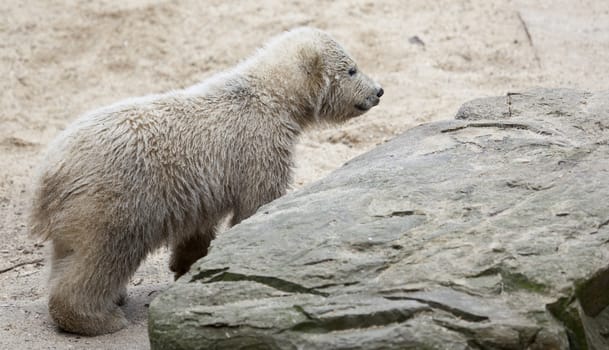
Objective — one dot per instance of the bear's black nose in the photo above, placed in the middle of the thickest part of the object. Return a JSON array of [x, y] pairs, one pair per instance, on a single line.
[[380, 93]]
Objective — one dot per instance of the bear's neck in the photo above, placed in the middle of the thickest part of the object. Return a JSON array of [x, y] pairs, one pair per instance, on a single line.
[[283, 89]]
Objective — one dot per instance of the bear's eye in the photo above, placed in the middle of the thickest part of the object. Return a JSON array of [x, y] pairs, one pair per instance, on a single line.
[[352, 71]]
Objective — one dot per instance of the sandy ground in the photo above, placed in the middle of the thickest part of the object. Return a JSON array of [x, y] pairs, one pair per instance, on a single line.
[[60, 58]]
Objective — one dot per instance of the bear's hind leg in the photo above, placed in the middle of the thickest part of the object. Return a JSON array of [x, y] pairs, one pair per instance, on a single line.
[[60, 258], [185, 253], [85, 293]]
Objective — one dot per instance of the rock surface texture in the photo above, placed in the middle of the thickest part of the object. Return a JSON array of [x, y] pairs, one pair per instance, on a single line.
[[490, 231]]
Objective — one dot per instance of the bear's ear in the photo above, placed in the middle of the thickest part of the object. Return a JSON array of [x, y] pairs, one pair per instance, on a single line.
[[311, 63]]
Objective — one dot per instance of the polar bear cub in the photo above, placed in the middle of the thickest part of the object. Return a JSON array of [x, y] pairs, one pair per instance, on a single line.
[[124, 180]]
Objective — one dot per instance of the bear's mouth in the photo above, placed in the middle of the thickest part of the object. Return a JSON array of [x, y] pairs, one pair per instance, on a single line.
[[367, 104], [362, 107]]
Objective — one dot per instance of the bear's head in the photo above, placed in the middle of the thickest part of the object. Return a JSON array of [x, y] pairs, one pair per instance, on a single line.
[[343, 90], [314, 73]]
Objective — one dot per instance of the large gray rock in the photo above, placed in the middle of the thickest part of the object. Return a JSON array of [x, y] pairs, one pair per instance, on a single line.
[[486, 232]]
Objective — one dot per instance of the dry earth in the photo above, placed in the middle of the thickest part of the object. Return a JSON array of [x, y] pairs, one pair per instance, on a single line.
[[60, 58]]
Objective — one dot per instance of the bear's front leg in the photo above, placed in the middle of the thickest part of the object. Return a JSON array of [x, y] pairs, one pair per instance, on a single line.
[[186, 252]]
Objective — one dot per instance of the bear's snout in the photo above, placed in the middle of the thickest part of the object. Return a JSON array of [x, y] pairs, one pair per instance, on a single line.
[[376, 97]]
